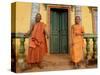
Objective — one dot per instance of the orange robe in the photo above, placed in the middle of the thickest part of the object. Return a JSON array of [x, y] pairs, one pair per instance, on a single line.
[[37, 44], [77, 43]]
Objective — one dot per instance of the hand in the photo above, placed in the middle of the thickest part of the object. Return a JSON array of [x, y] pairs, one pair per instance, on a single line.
[[25, 34]]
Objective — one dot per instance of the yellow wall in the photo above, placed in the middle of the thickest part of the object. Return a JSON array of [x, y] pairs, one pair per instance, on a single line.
[[43, 12], [23, 19], [23, 16], [86, 19]]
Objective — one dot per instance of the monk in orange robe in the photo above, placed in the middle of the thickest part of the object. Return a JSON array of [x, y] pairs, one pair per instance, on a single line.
[[37, 43], [77, 42]]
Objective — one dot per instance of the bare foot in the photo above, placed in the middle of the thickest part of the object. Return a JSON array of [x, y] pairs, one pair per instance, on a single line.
[[29, 66], [75, 66], [40, 66]]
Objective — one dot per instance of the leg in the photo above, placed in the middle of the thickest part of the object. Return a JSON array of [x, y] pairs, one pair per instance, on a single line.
[[75, 66]]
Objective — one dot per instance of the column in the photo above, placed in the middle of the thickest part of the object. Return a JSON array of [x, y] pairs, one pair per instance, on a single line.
[[78, 11], [35, 10]]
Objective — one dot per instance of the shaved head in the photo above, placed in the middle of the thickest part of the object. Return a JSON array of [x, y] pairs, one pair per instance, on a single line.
[[38, 17], [77, 19]]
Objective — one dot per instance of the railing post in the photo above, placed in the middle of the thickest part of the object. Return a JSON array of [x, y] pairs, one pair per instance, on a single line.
[[94, 48], [21, 52], [87, 50], [94, 57]]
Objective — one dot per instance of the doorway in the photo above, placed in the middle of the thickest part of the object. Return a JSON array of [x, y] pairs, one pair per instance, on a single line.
[[58, 30]]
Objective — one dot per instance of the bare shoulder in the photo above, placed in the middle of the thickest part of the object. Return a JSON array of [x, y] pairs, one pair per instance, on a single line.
[[44, 25], [32, 26]]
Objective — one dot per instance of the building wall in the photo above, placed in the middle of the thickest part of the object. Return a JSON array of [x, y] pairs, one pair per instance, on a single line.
[[86, 19], [23, 19], [44, 14], [23, 16]]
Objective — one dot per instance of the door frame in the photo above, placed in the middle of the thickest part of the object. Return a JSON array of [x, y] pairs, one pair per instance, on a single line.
[[67, 7]]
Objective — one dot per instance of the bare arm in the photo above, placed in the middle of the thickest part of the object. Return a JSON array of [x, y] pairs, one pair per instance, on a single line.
[[46, 32], [82, 30], [72, 33], [29, 32]]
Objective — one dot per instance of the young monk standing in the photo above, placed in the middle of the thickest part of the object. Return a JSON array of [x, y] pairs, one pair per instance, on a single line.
[[77, 42], [37, 43]]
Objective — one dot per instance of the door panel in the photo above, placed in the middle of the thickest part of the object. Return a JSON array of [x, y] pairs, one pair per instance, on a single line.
[[58, 31], [63, 33], [54, 33]]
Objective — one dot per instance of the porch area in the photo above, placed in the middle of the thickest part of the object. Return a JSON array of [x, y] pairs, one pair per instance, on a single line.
[[56, 62]]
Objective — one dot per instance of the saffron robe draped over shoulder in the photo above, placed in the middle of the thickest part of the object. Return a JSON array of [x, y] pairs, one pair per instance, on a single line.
[[37, 44], [77, 43]]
